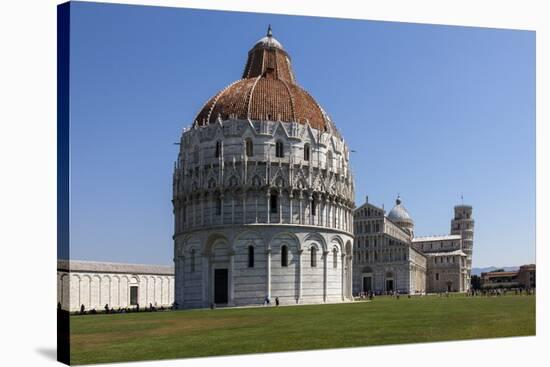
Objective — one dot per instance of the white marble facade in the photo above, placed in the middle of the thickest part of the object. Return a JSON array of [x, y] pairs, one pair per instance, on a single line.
[[96, 284], [388, 258], [224, 205], [314, 269]]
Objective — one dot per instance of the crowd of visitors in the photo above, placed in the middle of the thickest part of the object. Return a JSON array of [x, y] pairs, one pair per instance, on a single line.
[[112, 310], [490, 292]]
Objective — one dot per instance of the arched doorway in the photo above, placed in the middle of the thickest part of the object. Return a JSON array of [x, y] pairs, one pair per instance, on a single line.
[[220, 271], [390, 286], [367, 280]]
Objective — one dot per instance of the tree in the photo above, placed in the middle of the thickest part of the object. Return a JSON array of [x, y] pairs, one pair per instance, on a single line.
[[475, 282]]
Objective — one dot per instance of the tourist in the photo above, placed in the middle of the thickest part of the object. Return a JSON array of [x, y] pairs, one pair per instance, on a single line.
[[82, 309], [277, 301], [106, 308], [267, 301]]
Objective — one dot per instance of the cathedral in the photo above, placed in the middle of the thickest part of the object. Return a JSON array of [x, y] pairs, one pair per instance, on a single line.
[[389, 258], [263, 194]]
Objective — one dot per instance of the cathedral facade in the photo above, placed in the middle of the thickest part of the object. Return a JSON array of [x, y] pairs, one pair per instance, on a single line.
[[388, 257], [263, 194]]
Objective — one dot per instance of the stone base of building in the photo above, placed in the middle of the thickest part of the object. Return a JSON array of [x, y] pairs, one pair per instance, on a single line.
[[242, 265]]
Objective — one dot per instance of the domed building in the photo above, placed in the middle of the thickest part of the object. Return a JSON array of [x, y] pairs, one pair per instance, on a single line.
[[389, 258], [263, 194], [400, 216]]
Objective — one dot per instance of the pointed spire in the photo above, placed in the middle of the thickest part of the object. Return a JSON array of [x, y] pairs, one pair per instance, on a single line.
[[269, 31]]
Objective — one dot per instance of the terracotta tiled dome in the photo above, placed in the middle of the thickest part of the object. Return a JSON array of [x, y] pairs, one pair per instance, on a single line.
[[267, 91]]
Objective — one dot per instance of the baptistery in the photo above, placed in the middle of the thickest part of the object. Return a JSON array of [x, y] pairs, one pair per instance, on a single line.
[[263, 194]]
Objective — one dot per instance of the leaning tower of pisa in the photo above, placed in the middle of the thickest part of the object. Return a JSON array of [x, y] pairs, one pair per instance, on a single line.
[[463, 224]]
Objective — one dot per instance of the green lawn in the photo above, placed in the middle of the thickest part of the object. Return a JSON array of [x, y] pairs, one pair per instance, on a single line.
[[195, 333]]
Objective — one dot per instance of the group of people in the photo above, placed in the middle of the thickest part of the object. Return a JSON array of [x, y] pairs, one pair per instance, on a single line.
[[370, 294], [107, 309], [267, 301], [500, 292], [367, 295]]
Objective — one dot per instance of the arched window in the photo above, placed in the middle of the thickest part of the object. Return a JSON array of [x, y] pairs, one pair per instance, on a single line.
[[284, 255], [192, 260], [273, 205], [249, 147], [313, 256], [279, 149], [306, 152], [329, 159], [218, 148], [218, 205], [250, 256], [334, 258]]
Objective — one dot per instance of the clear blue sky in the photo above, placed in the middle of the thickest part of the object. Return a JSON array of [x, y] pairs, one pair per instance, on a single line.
[[432, 112]]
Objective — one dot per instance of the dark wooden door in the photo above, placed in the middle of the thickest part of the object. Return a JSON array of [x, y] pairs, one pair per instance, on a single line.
[[367, 284], [220, 286], [133, 295]]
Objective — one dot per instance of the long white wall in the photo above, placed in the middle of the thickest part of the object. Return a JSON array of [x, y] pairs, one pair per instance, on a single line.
[[96, 289]]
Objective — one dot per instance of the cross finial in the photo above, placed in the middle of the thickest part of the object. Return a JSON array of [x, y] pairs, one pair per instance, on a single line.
[[462, 198], [269, 31]]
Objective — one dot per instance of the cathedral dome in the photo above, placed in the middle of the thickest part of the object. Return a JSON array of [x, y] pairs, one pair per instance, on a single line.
[[399, 214], [267, 91]]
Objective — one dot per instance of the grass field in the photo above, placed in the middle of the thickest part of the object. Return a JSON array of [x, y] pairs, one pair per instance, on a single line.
[[386, 320]]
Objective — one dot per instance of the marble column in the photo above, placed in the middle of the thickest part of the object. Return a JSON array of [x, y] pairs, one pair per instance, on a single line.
[[202, 199], [268, 273], [301, 207], [233, 207], [230, 275], [310, 201], [326, 207], [222, 208], [291, 199], [204, 280], [280, 197], [349, 276], [343, 280], [268, 204], [245, 197], [193, 211], [300, 275], [325, 275], [256, 194]]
